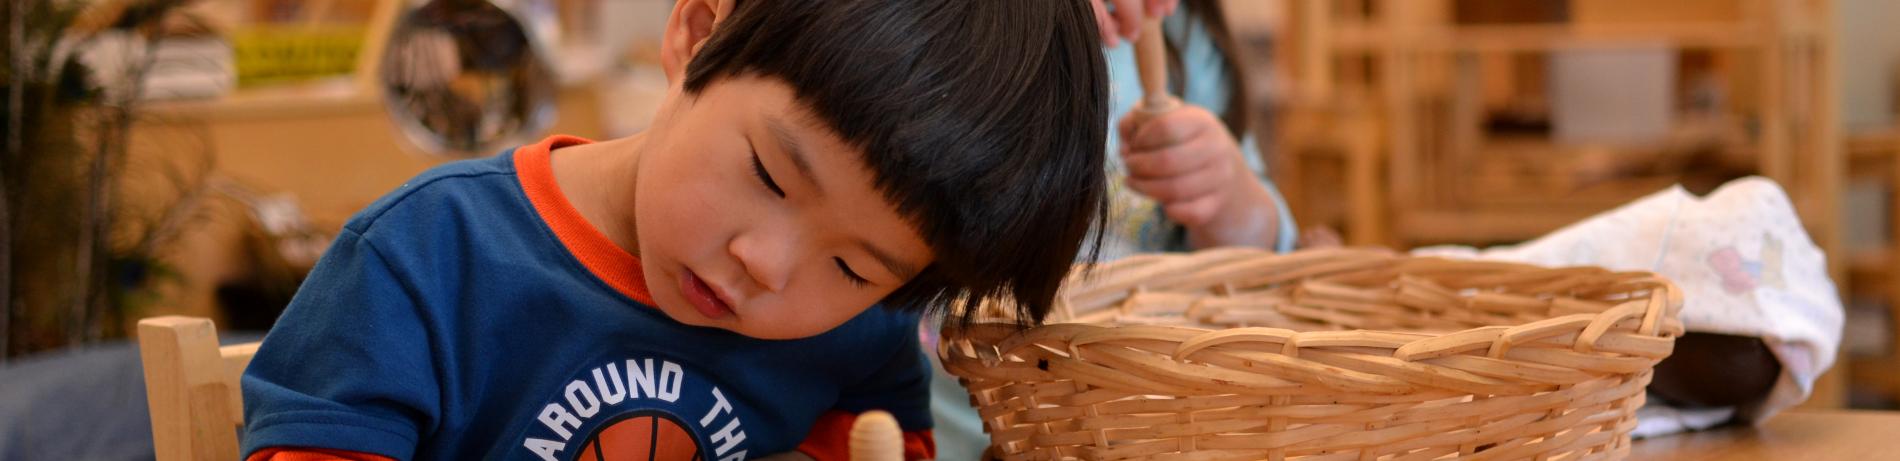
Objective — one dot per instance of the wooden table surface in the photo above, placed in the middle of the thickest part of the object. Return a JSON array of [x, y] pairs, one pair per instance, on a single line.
[[1793, 436]]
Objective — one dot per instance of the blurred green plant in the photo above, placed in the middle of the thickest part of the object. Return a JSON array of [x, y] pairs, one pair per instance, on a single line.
[[74, 265]]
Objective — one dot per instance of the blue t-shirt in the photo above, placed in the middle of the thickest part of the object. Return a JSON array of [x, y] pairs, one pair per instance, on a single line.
[[472, 314]]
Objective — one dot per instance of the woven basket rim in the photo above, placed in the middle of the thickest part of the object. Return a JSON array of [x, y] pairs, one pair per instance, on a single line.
[[1566, 382], [1655, 316]]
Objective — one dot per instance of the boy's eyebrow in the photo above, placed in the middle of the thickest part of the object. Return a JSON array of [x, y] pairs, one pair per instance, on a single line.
[[898, 268], [785, 139]]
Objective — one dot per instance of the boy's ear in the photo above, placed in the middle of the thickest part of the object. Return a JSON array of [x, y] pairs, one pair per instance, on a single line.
[[687, 28]]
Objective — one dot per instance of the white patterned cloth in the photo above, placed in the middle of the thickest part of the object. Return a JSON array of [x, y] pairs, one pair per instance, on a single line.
[[1745, 267]]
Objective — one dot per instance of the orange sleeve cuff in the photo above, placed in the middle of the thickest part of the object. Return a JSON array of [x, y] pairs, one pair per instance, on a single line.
[[830, 439], [312, 454]]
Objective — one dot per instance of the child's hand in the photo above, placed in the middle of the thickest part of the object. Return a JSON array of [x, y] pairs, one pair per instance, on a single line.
[[1125, 21], [1186, 160]]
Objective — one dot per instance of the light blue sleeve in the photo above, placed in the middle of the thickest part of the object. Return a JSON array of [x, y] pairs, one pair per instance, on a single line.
[[1289, 233]]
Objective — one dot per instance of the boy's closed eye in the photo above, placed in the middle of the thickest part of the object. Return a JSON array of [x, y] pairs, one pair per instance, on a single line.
[[758, 168], [765, 178], [850, 275]]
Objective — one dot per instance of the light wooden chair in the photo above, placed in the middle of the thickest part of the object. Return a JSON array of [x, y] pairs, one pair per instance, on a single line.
[[191, 386]]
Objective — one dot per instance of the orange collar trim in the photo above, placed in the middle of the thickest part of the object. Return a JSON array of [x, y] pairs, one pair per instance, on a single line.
[[621, 270]]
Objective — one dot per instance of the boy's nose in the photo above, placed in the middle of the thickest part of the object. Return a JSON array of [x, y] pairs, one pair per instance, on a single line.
[[766, 256]]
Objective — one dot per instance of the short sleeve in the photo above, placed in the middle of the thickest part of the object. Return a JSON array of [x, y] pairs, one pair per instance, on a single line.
[[348, 365]]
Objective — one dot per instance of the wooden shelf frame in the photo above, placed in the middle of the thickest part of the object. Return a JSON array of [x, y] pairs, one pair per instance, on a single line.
[[1368, 91], [1378, 56]]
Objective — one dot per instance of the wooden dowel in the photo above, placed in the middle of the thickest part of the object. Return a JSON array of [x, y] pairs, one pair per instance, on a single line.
[[1151, 60]]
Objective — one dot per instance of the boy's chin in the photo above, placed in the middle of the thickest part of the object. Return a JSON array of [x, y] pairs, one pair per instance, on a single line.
[[684, 313]]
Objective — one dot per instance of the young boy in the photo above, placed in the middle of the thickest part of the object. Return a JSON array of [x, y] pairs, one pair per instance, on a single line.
[[704, 290]]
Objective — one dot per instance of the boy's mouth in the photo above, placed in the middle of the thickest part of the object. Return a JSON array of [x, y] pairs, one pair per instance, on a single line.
[[702, 296]]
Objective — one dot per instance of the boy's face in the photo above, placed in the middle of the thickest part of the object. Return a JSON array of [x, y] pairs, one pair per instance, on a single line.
[[754, 217]]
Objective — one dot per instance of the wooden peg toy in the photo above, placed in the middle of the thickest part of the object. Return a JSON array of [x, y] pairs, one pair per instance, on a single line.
[[876, 437]]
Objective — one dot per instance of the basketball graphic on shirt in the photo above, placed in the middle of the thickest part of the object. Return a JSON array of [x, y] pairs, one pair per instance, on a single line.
[[641, 436]]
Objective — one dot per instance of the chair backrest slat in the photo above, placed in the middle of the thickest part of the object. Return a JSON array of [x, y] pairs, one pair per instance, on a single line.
[[191, 386], [235, 358]]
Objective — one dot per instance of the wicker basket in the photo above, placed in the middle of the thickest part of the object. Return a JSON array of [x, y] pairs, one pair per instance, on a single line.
[[1236, 354]]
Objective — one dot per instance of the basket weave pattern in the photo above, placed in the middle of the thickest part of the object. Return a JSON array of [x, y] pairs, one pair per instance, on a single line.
[[1237, 354]]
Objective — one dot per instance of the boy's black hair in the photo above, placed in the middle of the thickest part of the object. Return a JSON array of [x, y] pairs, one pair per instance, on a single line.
[[984, 121]]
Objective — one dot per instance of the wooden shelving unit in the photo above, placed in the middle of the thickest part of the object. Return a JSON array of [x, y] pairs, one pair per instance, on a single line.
[[1420, 84], [1389, 133], [1874, 272], [331, 145]]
